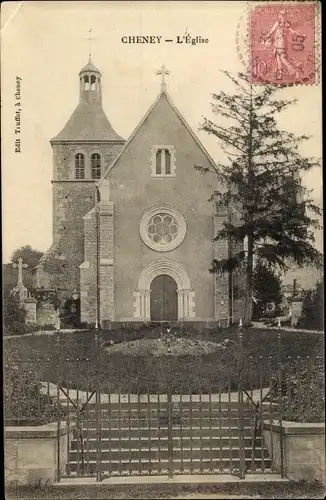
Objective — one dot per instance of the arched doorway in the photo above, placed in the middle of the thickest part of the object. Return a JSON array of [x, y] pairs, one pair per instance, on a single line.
[[164, 299], [185, 296]]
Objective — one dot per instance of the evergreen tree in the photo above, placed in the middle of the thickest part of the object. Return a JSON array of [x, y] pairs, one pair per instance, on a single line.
[[260, 183], [312, 316], [267, 288]]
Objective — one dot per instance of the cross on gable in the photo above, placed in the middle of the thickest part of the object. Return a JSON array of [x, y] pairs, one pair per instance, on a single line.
[[163, 71], [20, 267]]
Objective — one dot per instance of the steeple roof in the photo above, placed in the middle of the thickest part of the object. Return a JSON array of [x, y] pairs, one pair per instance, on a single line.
[[89, 68], [87, 123]]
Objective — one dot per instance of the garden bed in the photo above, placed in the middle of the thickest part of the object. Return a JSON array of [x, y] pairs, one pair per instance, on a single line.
[[256, 341], [74, 361]]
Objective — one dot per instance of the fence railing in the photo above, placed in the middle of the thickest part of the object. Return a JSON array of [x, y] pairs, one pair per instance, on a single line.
[[216, 428]]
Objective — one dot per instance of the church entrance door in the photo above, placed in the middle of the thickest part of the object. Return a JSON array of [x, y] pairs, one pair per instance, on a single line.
[[164, 299]]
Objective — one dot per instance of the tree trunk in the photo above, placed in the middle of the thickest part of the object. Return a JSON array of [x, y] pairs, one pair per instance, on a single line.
[[249, 284], [249, 267]]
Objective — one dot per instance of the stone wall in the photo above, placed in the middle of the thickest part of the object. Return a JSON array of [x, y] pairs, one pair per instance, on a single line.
[[72, 200], [303, 449], [31, 453]]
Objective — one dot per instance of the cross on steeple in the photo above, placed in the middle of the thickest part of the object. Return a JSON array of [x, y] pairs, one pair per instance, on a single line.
[[90, 38], [163, 71], [20, 267]]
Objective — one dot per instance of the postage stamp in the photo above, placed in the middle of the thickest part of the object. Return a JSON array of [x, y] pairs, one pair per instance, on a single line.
[[282, 39]]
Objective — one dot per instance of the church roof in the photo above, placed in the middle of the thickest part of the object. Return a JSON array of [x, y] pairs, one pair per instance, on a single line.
[[88, 123], [163, 95]]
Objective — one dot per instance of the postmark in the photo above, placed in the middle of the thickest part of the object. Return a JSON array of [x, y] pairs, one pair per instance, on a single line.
[[282, 43]]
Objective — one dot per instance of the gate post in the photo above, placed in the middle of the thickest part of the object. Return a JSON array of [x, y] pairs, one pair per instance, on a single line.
[[280, 399], [170, 426], [98, 408], [242, 465], [58, 418]]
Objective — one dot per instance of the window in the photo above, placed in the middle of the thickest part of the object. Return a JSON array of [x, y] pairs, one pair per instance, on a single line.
[[162, 228], [163, 161], [158, 161], [167, 162], [79, 166], [96, 166], [93, 82], [86, 82]]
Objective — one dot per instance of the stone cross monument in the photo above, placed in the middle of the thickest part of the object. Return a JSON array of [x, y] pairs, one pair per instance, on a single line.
[[28, 302], [20, 288]]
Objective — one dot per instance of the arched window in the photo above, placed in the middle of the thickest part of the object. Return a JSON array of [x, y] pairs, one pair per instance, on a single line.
[[163, 161], [79, 166], [93, 82], [96, 166], [86, 82]]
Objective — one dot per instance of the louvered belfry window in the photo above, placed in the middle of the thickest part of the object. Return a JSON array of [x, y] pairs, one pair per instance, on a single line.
[[79, 166], [96, 166]]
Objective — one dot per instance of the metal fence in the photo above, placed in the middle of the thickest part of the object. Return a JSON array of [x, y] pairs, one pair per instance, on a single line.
[[213, 431]]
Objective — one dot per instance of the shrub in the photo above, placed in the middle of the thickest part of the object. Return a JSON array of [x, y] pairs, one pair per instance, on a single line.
[[14, 314], [23, 399], [304, 396], [312, 316]]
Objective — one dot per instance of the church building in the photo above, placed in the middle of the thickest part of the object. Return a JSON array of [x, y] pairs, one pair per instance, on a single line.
[[133, 230]]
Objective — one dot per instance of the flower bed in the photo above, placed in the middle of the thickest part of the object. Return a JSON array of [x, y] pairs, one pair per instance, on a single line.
[[72, 359]]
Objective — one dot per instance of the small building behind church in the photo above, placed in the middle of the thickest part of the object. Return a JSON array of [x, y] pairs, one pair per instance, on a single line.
[[133, 230]]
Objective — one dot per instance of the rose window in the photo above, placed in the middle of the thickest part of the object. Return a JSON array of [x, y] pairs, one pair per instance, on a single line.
[[162, 228]]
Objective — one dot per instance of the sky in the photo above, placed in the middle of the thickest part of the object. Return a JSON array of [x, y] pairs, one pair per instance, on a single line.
[[46, 44]]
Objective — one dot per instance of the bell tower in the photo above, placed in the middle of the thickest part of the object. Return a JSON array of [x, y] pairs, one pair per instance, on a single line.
[[82, 152], [90, 84]]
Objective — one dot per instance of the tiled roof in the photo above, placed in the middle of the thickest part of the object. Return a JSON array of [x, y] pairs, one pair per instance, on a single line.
[[88, 123]]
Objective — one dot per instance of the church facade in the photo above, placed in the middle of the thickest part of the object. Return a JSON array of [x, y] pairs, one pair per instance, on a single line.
[[133, 230]]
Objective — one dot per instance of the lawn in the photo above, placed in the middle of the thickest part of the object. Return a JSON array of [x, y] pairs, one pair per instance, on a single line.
[[74, 360]]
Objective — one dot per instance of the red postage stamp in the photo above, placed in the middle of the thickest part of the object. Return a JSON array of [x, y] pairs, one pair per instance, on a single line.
[[283, 43]]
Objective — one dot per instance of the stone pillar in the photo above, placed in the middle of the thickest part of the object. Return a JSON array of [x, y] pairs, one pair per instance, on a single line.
[[30, 307], [296, 308], [88, 268], [142, 305], [46, 314], [147, 304], [106, 257], [186, 304], [180, 305]]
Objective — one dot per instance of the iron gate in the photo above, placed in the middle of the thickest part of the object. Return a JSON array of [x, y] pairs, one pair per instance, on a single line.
[[105, 434]]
